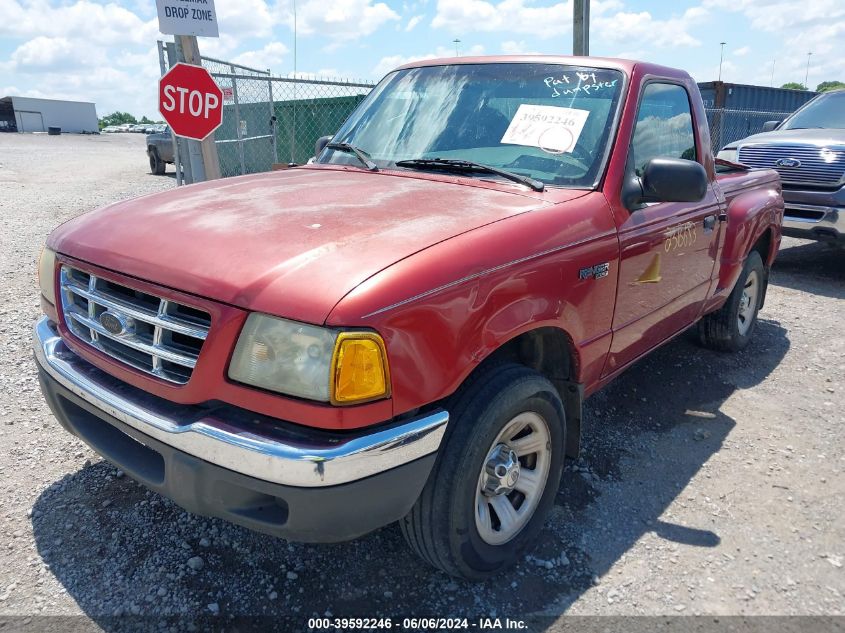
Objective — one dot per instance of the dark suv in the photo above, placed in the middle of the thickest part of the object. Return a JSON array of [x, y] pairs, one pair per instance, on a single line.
[[808, 150]]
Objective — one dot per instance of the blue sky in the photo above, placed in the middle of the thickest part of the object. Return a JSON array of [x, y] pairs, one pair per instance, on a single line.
[[105, 51]]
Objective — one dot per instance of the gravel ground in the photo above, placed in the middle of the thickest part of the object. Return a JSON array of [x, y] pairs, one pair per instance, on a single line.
[[710, 484]]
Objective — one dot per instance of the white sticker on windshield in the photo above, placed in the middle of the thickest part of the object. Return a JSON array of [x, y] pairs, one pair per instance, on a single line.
[[554, 130]]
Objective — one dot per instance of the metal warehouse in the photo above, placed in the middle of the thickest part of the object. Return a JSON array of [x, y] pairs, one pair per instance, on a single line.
[[27, 114]]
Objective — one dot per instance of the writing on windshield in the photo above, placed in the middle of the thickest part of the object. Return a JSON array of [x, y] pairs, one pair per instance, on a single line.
[[549, 122]]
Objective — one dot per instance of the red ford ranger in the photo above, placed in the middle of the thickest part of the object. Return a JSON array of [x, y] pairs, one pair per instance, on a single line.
[[405, 330]]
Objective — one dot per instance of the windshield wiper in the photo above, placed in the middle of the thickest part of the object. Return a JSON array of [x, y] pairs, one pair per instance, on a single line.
[[450, 164], [356, 151]]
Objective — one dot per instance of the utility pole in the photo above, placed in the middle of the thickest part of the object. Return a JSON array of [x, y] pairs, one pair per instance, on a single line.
[[581, 27], [721, 57], [807, 74], [456, 41], [205, 164]]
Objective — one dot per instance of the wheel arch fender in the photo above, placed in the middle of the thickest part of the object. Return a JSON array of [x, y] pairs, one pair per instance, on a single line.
[[751, 216], [550, 350]]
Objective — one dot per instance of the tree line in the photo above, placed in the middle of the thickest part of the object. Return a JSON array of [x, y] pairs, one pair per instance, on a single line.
[[822, 87], [119, 118]]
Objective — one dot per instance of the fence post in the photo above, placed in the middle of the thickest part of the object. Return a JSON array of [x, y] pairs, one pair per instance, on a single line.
[[238, 121], [272, 117]]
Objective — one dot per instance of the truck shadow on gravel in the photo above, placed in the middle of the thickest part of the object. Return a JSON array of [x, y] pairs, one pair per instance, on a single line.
[[119, 550], [811, 267]]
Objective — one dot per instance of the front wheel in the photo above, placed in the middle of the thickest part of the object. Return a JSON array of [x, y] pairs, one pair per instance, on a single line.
[[729, 329], [496, 477]]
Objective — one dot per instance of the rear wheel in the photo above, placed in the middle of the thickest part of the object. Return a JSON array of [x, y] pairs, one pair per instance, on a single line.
[[496, 476], [730, 328], [157, 166]]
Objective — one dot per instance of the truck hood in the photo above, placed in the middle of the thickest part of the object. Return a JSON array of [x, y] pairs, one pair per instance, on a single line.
[[290, 243], [807, 136]]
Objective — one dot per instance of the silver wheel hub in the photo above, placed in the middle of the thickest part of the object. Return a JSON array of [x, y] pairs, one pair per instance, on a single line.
[[513, 478], [748, 303], [501, 471]]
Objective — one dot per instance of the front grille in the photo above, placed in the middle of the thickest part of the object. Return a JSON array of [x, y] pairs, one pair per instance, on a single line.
[[150, 333], [820, 166]]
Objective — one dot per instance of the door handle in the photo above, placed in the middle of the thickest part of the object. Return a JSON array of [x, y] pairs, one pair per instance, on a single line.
[[709, 222]]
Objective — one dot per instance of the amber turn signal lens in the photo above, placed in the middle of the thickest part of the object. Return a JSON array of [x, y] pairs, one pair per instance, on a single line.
[[359, 371]]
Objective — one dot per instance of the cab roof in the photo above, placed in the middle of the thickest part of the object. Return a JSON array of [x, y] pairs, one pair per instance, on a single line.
[[627, 66]]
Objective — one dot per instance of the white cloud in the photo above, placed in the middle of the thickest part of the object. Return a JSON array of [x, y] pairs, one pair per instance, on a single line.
[[508, 15], [91, 23], [777, 15], [245, 18], [817, 26], [516, 16], [45, 53], [338, 21], [413, 22], [624, 26], [269, 56], [742, 51], [511, 47], [386, 64]]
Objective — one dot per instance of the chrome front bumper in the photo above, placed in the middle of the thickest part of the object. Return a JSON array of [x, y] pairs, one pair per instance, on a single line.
[[816, 215], [814, 221], [261, 451]]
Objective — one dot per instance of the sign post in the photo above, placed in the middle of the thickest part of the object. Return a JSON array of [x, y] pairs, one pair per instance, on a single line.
[[193, 101]]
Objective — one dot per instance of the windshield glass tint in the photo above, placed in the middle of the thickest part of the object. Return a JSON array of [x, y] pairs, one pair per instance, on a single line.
[[827, 112], [547, 121]]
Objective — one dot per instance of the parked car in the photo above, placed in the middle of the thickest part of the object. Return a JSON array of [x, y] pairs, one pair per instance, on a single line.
[[405, 330], [160, 150], [110, 129], [808, 151]]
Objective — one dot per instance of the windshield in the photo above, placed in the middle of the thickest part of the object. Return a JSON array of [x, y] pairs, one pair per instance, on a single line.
[[549, 122], [826, 112]]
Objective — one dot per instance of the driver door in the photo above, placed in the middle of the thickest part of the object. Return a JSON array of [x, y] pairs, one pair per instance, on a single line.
[[667, 248]]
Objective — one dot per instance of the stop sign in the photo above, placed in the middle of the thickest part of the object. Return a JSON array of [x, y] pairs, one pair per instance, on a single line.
[[190, 101]]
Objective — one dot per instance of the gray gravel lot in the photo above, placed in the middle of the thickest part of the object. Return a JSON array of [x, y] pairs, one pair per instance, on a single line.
[[709, 483]]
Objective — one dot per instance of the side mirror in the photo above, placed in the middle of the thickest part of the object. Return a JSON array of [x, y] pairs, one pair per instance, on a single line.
[[321, 143], [768, 126], [666, 180]]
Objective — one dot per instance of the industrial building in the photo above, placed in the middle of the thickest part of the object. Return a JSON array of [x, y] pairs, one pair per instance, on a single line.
[[28, 114]]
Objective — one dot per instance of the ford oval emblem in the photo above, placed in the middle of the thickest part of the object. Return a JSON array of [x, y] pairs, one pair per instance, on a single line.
[[787, 162], [117, 324]]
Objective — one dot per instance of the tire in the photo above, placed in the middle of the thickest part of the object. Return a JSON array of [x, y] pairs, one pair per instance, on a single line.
[[730, 328], [157, 166], [452, 525]]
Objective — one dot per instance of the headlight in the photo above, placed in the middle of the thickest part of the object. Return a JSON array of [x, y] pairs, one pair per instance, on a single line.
[[310, 362], [46, 274], [727, 154]]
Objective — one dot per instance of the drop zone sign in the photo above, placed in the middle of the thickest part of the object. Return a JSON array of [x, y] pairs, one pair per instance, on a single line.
[[190, 101], [187, 17]]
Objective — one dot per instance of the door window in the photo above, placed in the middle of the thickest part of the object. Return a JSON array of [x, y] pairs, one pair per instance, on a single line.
[[664, 126]]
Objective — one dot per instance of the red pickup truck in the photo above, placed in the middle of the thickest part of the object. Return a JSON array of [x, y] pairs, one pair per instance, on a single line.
[[405, 330]]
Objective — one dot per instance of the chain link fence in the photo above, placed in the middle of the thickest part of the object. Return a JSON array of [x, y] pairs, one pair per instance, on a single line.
[[727, 126], [269, 119]]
